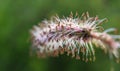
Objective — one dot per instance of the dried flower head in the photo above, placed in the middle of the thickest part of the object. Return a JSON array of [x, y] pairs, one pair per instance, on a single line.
[[77, 36]]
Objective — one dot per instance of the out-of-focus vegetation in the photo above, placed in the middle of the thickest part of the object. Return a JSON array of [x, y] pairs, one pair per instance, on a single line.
[[18, 16]]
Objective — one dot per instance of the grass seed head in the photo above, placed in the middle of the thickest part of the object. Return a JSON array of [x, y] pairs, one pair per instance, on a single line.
[[76, 36]]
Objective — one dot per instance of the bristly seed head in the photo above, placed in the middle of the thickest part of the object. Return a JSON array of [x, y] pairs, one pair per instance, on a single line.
[[75, 36]]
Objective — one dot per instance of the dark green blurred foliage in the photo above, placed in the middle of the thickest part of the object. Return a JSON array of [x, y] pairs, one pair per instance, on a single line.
[[18, 16]]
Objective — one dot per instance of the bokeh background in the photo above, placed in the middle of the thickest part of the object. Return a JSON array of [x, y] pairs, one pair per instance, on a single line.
[[18, 16]]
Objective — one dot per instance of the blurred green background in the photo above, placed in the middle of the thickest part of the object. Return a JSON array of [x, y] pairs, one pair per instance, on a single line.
[[18, 16]]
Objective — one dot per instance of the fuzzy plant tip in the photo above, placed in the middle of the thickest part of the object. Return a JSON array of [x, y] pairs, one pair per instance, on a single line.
[[76, 35]]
